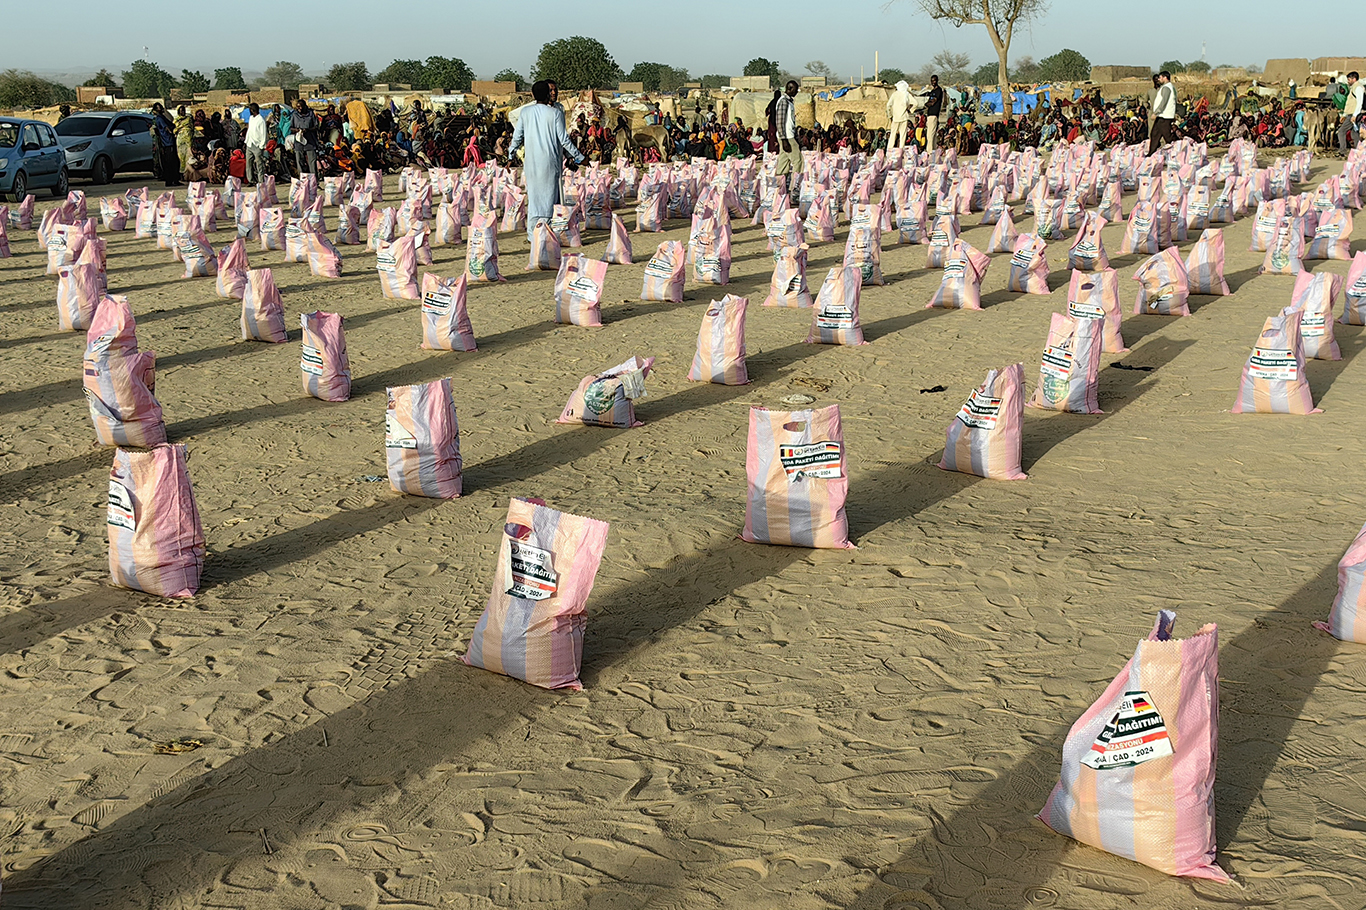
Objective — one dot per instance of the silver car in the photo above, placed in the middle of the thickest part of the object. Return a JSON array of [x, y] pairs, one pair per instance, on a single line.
[[100, 144]]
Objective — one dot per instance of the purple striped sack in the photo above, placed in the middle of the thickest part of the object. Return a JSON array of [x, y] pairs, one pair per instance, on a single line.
[[788, 286], [1347, 619], [324, 259], [911, 219], [797, 479], [445, 318], [422, 440], [1138, 766], [1332, 238], [1070, 369], [651, 210], [1285, 255], [1005, 234], [1264, 224], [232, 269], [80, 288], [274, 224], [323, 362], [533, 626], [1354, 306], [608, 399], [961, 286], [835, 316], [263, 312], [713, 256], [396, 265], [578, 291], [720, 356], [1314, 295], [863, 251], [114, 213], [156, 541], [119, 380], [481, 249], [296, 240], [943, 233], [193, 245], [544, 254], [1163, 287], [1142, 233], [664, 273], [1273, 379], [985, 438], [1095, 295], [618, 243], [1205, 265], [1028, 266]]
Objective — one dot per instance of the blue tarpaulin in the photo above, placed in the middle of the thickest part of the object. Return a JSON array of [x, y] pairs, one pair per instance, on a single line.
[[1023, 102]]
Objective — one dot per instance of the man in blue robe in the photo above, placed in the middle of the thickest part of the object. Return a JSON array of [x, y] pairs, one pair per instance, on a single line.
[[540, 130]]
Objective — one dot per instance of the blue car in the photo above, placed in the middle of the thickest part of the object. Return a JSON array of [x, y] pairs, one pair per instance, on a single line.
[[31, 158]]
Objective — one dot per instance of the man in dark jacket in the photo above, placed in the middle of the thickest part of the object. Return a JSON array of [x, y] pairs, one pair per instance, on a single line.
[[304, 127]]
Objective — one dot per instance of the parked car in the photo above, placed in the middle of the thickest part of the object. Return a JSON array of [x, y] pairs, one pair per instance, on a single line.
[[30, 158], [100, 144]]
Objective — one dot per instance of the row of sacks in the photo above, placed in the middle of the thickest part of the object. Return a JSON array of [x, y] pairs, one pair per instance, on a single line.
[[1326, 232]]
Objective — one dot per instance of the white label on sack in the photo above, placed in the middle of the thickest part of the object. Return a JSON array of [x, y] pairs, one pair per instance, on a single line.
[[710, 265], [908, 225], [981, 411], [1082, 310], [101, 344], [529, 571], [1134, 735], [121, 507], [834, 317], [56, 242], [386, 262], [660, 268], [584, 288], [1313, 325], [1358, 288], [939, 238], [311, 360], [1276, 364], [396, 435], [1086, 249], [955, 269], [632, 384], [1328, 229], [438, 302], [1019, 260], [817, 459], [1057, 360]]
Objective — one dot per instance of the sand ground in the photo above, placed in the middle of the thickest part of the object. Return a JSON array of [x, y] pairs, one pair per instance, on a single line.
[[761, 727]]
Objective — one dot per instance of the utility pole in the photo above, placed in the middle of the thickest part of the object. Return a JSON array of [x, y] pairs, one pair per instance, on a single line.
[[877, 69]]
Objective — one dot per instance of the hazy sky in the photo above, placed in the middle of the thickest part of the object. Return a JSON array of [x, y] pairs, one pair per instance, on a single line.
[[704, 36]]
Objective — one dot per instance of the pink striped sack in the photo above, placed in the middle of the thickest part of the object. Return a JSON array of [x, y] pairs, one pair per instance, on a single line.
[[422, 440], [863, 251], [1028, 267], [263, 312], [597, 208], [1142, 235], [1138, 767], [449, 230], [247, 215], [332, 191], [64, 243], [819, 225], [145, 224], [80, 288], [942, 235], [514, 210], [22, 217], [1314, 296], [1347, 619], [119, 380], [325, 367], [422, 246], [788, 286], [445, 317], [995, 207], [296, 234], [578, 291], [910, 220], [364, 201], [720, 356], [1175, 207], [193, 245], [167, 225], [114, 213], [1354, 306], [481, 249], [348, 225], [232, 269], [1070, 369], [651, 210], [380, 227], [783, 229], [533, 626], [608, 399], [544, 255], [961, 286], [4, 232], [1222, 210], [1269, 214], [713, 252], [1095, 295], [984, 439], [618, 243], [1198, 208], [1004, 236], [664, 273], [396, 265], [1273, 380], [1111, 206], [1332, 236], [1048, 220], [274, 224], [94, 252], [374, 184], [797, 479], [1205, 265], [156, 541], [324, 259], [1285, 256], [1162, 285], [1088, 251], [835, 316]]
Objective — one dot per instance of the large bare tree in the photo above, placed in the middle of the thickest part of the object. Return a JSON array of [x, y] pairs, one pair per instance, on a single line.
[[999, 16]]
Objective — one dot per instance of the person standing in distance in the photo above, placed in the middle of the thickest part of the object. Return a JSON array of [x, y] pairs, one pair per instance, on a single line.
[[1355, 107], [934, 104], [899, 114], [1164, 113], [785, 125], [540, 128], [257, 135]]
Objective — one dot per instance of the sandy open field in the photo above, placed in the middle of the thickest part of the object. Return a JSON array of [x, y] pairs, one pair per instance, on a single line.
[[761, 727]]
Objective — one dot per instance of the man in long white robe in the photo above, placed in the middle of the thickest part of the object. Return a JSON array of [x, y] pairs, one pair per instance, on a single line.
[[540, 130]]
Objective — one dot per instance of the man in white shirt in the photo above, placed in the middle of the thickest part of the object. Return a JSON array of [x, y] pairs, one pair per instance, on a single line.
[[256, 145], [898, 112], [1356, 104], [1164, 113]]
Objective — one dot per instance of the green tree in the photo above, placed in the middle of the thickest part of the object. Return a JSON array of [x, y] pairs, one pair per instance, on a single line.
[[576, 63], [193, 81], [671, 78], [1197, 66], [229, 79], [820, 68], [510, 75], [284, 74], [144, 79], [986, 74], [1172, 66], [450, 73], [348, 77], [647, 74], [404, 72], [891, 75], [104, 78], [762, 66], [714, 80], [1066, 65], [22, 90]]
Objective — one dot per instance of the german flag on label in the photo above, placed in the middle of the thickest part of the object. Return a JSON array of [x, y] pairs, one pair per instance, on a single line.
[[817, 459], [1136, 734]]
